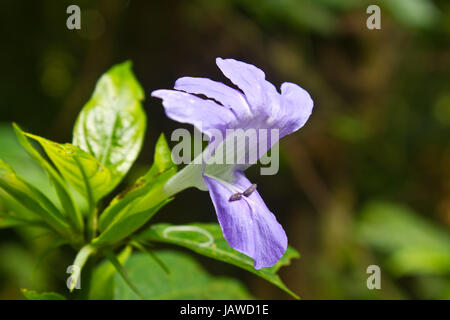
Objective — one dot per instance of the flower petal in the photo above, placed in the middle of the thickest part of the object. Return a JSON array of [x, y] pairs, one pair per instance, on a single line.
[[252, 82], [247, 224], [297, 105], [218, 91], [187, 108]]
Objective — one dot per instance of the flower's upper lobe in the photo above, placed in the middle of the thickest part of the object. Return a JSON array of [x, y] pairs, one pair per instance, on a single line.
[[247, 224], [259, 105]]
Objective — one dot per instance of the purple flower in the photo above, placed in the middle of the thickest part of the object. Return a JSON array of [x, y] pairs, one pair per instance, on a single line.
[[247, 224]]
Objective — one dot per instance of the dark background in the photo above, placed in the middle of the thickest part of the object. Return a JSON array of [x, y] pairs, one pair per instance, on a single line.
[[366, 181]]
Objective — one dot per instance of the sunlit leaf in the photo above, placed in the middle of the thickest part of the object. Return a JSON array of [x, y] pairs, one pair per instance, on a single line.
[[61, 189], [112, 124], [33, 295], [207, 239], [162, 159], [186, 280], [87, 175]]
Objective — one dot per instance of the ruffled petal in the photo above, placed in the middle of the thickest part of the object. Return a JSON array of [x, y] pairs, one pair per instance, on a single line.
[[218, 91], [187, 108], [247, 224]]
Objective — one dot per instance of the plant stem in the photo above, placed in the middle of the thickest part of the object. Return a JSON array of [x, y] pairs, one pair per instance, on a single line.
[[92, 223], [189, 176], [78, 264]]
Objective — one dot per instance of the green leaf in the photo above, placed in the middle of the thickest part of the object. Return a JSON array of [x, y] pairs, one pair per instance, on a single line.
[[31, 198], [33, 295], [413, 245], [207, 239], [13, 153], [102, 284], [111, 126], [17, 264], [186, 280], [163, 156], [65, 198], [131, 209], [54, 244], [150, 253], [126, 224], [162, 163], [87, 175], [9, 221], [123, 273]]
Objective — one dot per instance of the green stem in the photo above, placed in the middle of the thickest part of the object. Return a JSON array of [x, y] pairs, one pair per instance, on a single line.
[[92, 223], [189, 176], [92, 210], [78, 264]]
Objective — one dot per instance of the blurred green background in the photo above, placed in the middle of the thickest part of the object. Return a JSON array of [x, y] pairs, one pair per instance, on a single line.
[[366, 181]]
